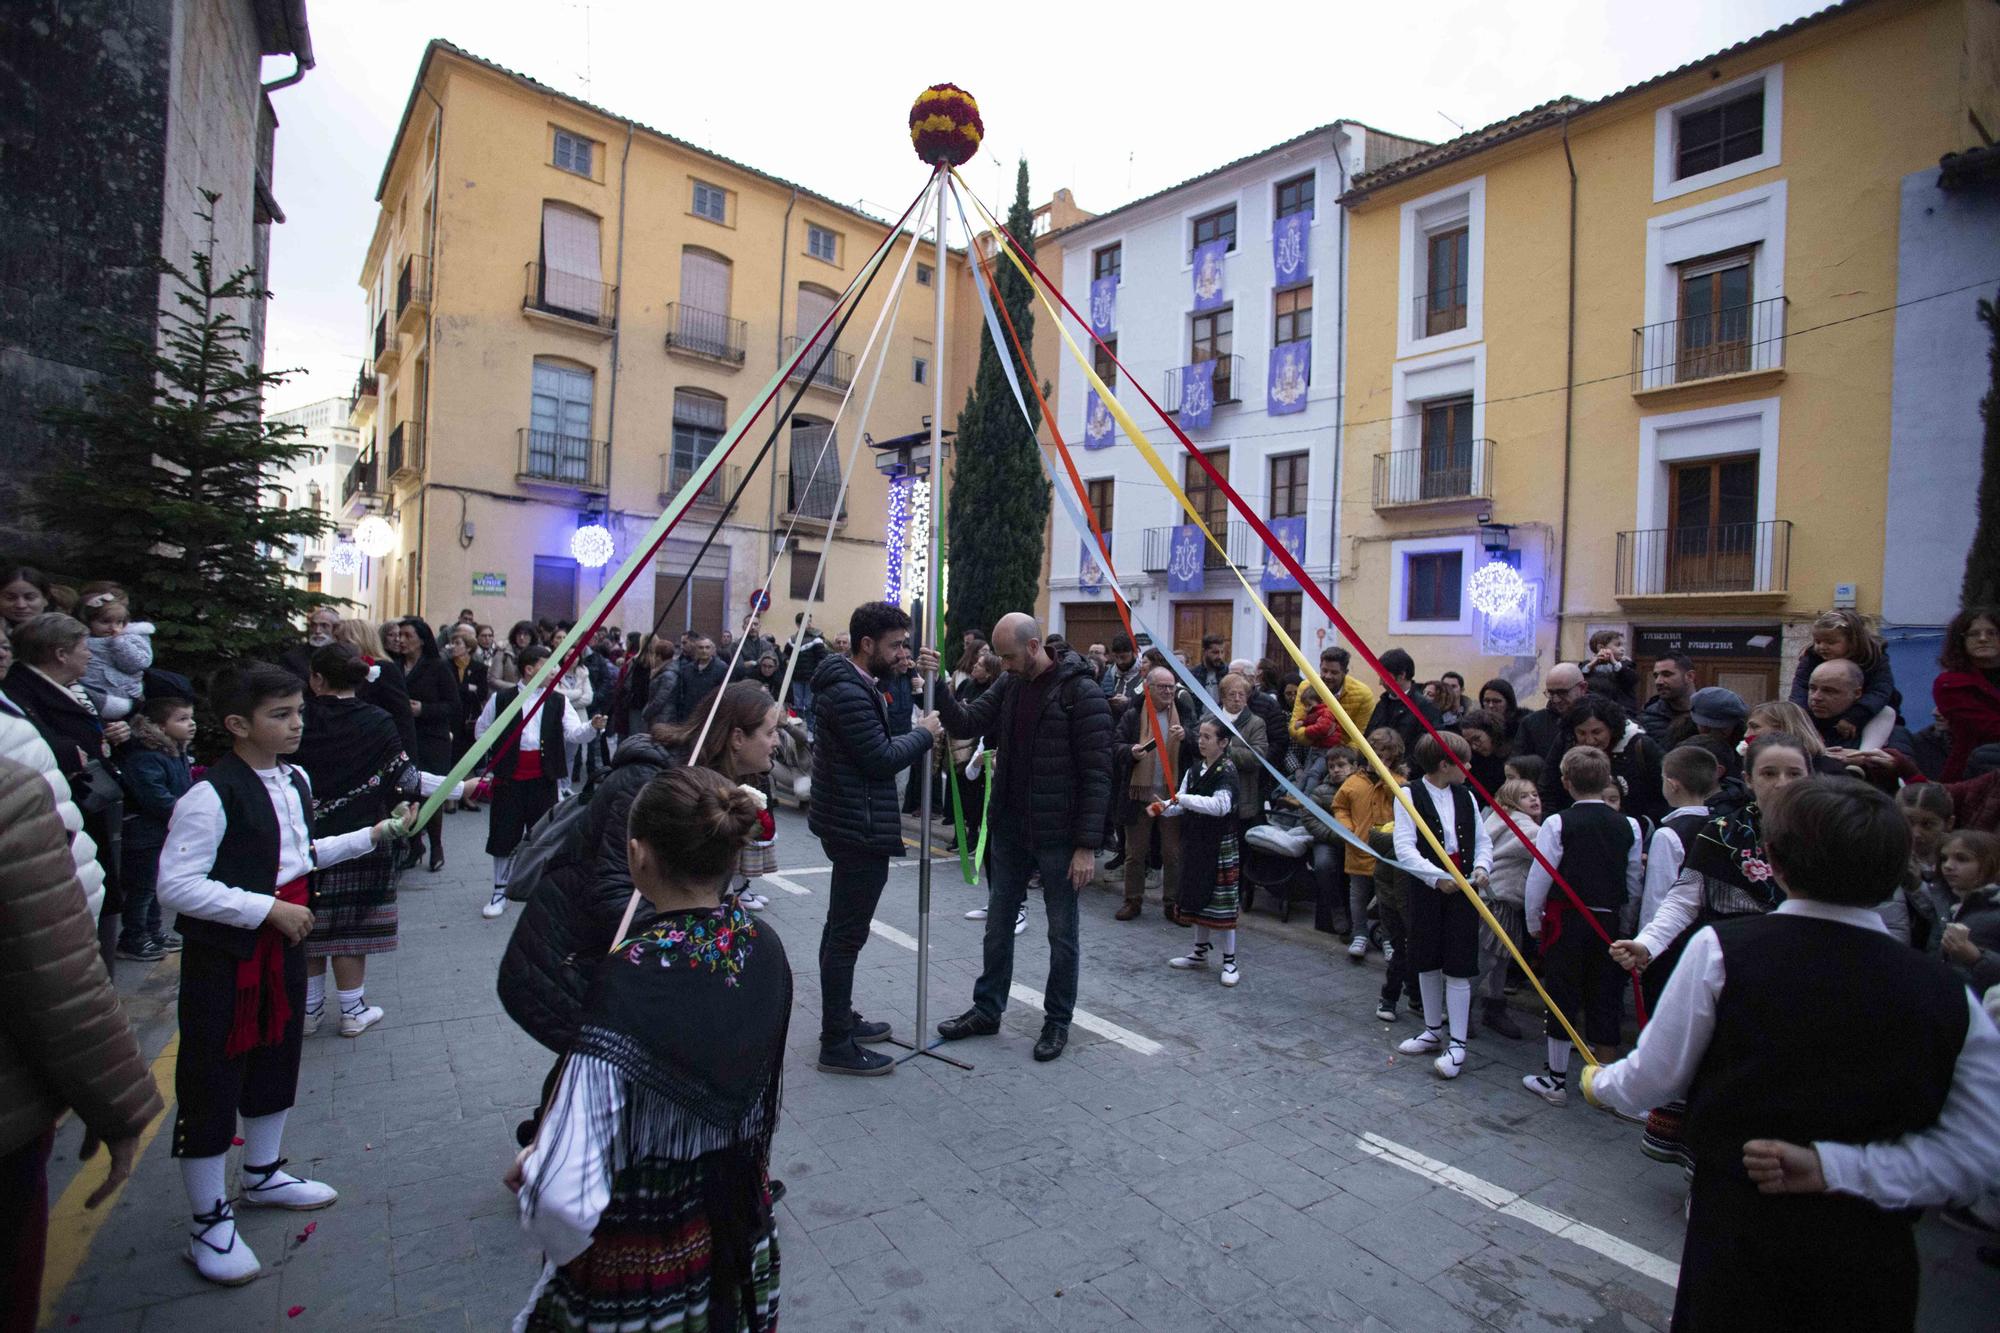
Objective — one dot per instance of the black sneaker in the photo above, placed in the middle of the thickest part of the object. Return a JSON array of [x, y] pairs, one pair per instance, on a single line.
[[847, 1058], [866, 1032], [143, 951], [971, 1023], [168, 941], [1055, 1036]]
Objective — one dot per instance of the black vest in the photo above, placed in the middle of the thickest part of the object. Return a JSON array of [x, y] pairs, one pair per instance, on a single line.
[[1597, 845], [1465, 824], [247, 858], [554, 754], [1823, 1031], [1687, 827]]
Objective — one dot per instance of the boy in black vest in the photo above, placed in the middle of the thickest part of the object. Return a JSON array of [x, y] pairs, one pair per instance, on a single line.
[[527, 768], [1836, 1080], [238, 855], [1442, 926], [1596, 850]]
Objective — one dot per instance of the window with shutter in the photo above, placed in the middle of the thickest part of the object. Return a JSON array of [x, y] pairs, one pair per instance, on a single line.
[[572, 276], [711, 202], [572, 152], [559, 417]]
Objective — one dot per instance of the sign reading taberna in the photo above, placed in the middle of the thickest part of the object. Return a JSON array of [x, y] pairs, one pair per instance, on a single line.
[[1707, 641], [489, 585]]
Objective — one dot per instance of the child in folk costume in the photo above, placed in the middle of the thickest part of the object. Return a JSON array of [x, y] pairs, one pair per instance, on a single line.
[[528, 769], [646, 1184], [1506, 897], [1836, 1081], [236, 866], [1443, 926], [1206, 804]]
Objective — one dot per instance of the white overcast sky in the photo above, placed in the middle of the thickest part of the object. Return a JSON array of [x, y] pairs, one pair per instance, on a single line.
[[1112, 99]]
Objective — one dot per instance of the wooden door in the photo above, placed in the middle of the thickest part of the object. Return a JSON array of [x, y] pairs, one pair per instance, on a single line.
[[1712, 538], [555, 588], [1447, 449], [1210, 503], [1715, 318], [1195, 621], [1085, 623]]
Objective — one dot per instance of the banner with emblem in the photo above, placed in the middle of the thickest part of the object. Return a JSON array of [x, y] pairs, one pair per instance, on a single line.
[[1291, 373], [1104, 306], [1291, 534], [1197, 410], [1090, 569], [1208, 274], [1288, 249], [1098, 432], [1184, 559]]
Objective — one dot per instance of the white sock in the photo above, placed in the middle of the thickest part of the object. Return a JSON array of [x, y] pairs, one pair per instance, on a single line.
[[315, 993], [1558, 1057], [351, 1001], [1458, 1004], [1227, 939], [262, 1136], [204, 1179], [1431, 986], [1201, 934], [503, 871]]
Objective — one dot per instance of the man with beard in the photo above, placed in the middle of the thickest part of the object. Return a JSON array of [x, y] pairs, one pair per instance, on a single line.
[[320, 626]]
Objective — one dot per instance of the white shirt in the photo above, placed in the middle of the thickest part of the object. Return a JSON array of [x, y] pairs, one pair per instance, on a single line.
[[566, 1163], [1218, 804], [194, 835], [1956, 1158], [1664, 859], [576, 730], [1549, 842], [1410, 845]]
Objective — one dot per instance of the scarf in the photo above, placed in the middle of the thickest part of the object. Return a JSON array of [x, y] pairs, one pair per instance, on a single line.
[[1730, 848], [262, 1009], [354, 756]]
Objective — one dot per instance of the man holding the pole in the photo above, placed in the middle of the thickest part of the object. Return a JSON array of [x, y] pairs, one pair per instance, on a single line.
[[1050, 727]]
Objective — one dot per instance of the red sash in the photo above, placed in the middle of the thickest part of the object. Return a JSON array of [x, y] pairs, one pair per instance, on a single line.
[[527, 765], [262, 1010]]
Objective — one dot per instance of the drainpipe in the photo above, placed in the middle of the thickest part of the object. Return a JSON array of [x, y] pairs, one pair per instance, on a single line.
[[1569, 405], [302, 51], [1339, 367], [430, 347], [617, 331], [784, 257]]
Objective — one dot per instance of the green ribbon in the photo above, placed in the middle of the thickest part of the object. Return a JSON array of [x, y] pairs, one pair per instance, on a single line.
[[969, 863]]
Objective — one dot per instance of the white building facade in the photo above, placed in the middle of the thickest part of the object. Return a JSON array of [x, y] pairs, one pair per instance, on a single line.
[[328, 564], [1226, 292]]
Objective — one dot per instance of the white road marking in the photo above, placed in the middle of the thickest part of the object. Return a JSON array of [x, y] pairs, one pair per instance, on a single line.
[[787, 885], [806, 870], [1082, 1018], [1503, 1200]]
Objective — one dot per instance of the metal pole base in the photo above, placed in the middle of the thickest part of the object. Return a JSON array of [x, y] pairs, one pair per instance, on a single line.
[[930, 1050]]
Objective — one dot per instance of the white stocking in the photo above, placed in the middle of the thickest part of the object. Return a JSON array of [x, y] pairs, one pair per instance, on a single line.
[[1431, 986]]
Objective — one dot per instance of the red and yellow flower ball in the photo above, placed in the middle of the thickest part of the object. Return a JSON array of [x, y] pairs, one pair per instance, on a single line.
[[945, 128]]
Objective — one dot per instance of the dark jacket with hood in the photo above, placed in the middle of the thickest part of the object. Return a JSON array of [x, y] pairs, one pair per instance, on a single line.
[[855, 761], [1071, 759]]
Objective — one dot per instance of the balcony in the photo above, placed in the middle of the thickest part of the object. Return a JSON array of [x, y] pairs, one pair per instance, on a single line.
[[361, 402], [705, 335], [571, 301], [1157, 545], [714, 493], [1733, 561], [406, 452], [388, 347], [413, 294], [1734, 342], [1434, 475], [835, 374], [1228, 383], [811, 498], [568, 462], [1441, 311], [360, 487]]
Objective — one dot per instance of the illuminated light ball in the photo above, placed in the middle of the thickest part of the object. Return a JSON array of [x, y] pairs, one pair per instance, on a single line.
[[591, 545], [374, 536], [345, 558], [1497, 588], [945, 128]]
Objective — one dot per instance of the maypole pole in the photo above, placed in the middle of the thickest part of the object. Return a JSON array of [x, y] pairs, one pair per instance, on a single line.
[[945, 129]]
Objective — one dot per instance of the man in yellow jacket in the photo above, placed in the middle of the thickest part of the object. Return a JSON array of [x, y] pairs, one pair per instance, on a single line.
[[1326, 732]]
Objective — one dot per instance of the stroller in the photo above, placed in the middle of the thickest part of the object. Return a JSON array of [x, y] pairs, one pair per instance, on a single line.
[[791, 766], [1277, 858]]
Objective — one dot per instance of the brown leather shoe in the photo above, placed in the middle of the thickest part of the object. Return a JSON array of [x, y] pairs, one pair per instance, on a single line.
[[1127, 911]]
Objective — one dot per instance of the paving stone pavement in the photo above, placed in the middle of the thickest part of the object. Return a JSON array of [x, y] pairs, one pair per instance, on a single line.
[[1223, 1182]]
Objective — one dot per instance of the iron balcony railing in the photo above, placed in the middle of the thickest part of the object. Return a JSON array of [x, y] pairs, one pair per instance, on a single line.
[[1723, 558], [1228, 382], [360, 482], [413, 287], [1440, 311], [714, 493], [570, 296], [835, 373], [553, 459], [1736, 340], [381, 336], [1431, 474], [364, 391], [812, 496], [406, 451], [1157, 549], [706, 334]]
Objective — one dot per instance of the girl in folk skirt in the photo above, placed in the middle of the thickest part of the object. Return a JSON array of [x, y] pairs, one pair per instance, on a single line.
[[525, 774], [1208, 894]]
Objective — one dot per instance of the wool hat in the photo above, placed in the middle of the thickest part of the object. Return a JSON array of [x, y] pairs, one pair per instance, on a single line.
[[1717, 707]]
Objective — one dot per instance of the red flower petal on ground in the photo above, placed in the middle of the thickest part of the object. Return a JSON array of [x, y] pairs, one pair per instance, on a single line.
[[238, 1140], [295, 1312]]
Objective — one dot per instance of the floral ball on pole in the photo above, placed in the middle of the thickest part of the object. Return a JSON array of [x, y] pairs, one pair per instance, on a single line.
[[945, 128]]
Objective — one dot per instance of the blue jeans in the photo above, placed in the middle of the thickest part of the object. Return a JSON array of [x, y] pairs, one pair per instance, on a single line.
[[140, 917], [1013, 861]]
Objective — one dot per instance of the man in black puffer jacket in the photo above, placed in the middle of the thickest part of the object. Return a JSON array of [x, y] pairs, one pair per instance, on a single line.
[[857, 817], [1047, 721]]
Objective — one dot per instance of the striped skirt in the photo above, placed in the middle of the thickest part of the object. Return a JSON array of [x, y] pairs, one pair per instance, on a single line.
[[1226, 899], [354, 907]]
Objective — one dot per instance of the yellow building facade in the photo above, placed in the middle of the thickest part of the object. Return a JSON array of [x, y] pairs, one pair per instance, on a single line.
[[566, 311], [1644, 351]]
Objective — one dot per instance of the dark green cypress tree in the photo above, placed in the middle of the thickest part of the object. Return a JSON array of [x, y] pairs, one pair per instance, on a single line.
[[999, 498], [169, 487], [1982, 562]]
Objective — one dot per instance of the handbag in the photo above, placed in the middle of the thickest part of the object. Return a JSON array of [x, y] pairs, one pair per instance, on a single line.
[[97, 790]]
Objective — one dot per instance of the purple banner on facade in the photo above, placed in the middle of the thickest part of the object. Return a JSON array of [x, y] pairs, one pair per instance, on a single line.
[[1098, 432], [1288, 249], [1208, 293], [1104, 306], [1291, 372], [1291, 534], [1184, 560], [1197, 411], [1090, 569]]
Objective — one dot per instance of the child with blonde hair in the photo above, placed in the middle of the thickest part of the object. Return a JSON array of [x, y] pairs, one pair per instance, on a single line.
[[1506, 896], [120, 650]]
